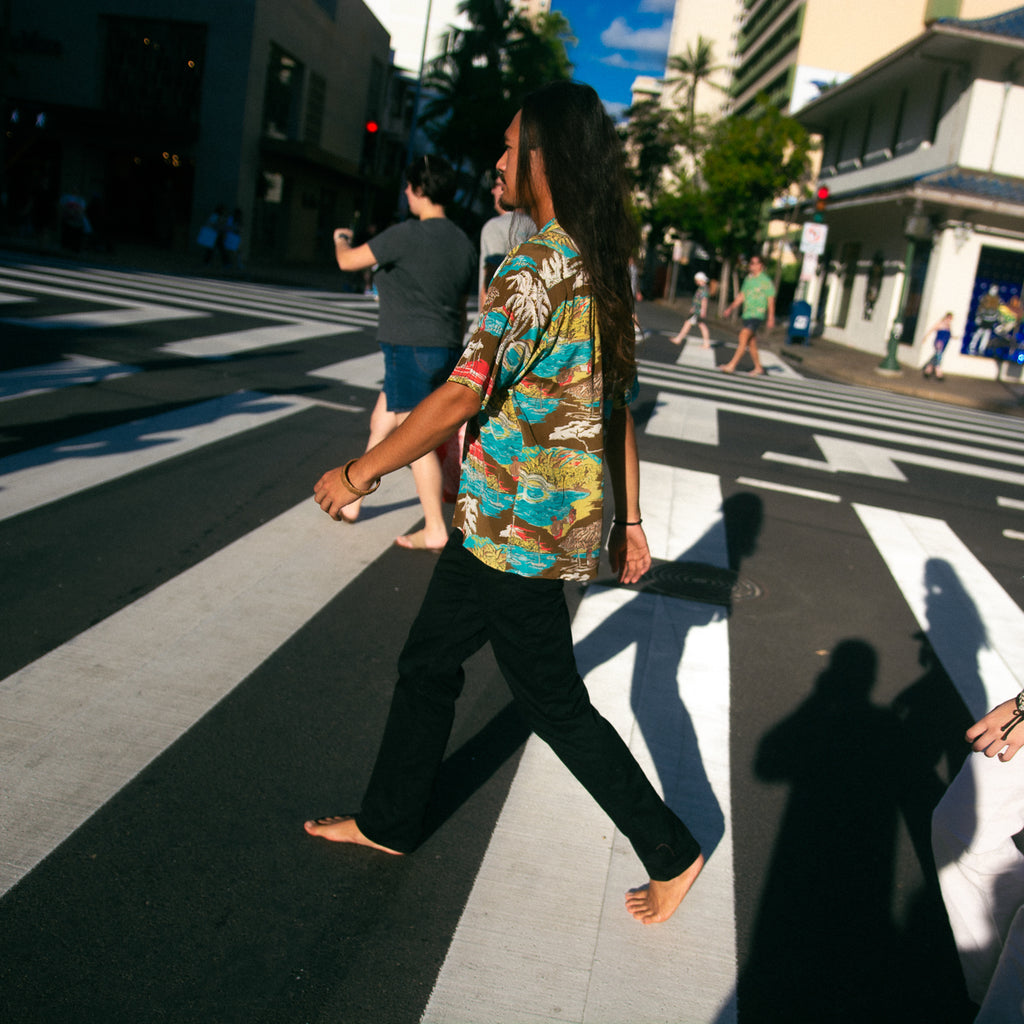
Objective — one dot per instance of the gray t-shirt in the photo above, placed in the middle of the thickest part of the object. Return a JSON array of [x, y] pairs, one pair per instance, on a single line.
[[498, 237], [425, 269]]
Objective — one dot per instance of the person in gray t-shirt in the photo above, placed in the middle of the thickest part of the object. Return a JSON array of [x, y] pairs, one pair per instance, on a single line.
[[498, 237], [425, 269]]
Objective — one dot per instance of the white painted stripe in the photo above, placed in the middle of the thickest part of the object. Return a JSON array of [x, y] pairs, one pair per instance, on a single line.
[[687, 419], [363, 371], [232, 342], [802, 492], [1013, 534], [778, 401], [71, 371], [873, 460], [79, 723], [1014, 503], [7, 298], [693, 354], [545, 935], [221, 298], [34, 478], [127, 314], [973, 625]]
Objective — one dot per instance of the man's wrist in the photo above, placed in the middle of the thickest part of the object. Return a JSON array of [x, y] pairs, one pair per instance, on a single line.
[[356, 483]]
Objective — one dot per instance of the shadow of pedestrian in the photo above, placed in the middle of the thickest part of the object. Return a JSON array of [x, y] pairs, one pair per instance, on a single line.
[[824, 933], [661, 627]]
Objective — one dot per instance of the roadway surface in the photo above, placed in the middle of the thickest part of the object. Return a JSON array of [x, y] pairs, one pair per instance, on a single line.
[[195, 659]]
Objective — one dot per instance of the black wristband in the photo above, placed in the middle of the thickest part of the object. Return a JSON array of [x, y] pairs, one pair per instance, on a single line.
[[622, 522]]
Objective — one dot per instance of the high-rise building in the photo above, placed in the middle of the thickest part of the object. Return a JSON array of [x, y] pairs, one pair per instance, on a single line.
[[790, 50]]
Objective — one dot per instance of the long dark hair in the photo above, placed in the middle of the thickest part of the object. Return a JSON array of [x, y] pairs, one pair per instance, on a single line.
[[585, 172]]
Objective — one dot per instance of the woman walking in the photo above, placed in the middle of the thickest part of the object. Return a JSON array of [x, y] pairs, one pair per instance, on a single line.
[[425, 267]]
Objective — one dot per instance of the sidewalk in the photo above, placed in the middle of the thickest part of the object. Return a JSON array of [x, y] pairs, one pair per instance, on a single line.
[[827, 360]]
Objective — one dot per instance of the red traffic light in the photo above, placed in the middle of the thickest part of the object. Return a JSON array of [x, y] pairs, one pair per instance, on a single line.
[[372, 127], [822, 194]]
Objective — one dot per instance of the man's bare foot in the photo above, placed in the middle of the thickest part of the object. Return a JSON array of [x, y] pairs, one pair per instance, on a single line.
[[657, 901], [343, 829]]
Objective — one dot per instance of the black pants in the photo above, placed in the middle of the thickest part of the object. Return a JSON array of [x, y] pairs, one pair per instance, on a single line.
[[527, 624]]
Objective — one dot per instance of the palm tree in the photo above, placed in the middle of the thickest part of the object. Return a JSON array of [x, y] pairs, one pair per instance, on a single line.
[[686, 72], [477, 83]]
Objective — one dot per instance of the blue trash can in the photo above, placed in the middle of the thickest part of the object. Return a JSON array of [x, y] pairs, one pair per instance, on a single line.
[[799, 323]]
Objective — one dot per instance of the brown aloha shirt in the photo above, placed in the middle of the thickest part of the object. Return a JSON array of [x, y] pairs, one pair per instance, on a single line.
[[532, 475]]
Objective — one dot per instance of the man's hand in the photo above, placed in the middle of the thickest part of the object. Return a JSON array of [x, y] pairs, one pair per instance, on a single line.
[[331, 494], [629, 554], [998, 730]]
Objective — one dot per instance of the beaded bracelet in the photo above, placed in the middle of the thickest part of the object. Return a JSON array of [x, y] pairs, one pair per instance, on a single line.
[[351, 486]]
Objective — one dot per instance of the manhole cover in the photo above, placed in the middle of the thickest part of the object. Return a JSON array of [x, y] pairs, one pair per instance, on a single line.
[[697, 581]]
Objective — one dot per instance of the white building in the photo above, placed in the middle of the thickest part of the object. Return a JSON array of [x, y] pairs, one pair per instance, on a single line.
[[923, 154]]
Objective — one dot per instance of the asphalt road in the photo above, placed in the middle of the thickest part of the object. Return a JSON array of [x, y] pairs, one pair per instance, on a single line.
[[180, 687]]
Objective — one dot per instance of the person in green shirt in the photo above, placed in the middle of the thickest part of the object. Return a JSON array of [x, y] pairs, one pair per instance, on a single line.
[[757, 296]]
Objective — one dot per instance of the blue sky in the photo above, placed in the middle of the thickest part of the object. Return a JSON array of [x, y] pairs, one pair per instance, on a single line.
[[617, 42]]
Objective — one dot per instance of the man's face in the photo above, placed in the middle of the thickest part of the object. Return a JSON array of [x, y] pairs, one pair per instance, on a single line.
[[756, 266], [507, 164]]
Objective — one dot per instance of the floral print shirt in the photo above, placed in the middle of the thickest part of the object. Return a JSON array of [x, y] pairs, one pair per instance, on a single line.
[[532, 473]]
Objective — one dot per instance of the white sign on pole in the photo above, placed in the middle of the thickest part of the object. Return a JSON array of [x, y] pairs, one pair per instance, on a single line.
[[812, 239]]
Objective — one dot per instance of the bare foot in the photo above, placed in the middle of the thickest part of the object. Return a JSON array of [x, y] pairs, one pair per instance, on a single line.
[[343, 829], [676, 340], [657, 901], [759, 372], [418, 542], [726, 369]]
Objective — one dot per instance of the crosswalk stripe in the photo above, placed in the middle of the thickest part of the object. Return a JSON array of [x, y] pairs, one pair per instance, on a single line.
[[37, 477], [922, 435], [545, 935], [83, 720], [252, 303], [363, 371], [233, 342], [775, 399], [973, 625], [71, 371], [127, 314]]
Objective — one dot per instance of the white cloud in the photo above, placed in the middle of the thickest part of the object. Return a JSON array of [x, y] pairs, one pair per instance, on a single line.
[[617, 60], [657, 6], [619, 36]]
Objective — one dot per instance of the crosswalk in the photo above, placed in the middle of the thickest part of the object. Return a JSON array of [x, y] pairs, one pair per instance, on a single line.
[[79, 722]]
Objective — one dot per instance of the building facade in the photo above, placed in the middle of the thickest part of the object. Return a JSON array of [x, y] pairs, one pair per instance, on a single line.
[[923, 156], [158, 111], [790, 50]]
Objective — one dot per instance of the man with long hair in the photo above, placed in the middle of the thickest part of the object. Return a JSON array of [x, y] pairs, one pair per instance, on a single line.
[[547, 378]]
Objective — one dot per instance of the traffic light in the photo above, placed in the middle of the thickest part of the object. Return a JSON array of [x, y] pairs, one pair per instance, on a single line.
[[370, 132], [820, 201]]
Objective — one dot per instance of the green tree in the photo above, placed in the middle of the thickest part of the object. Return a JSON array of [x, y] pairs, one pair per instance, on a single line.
[[749, 162], [686, 72], [479, 80]]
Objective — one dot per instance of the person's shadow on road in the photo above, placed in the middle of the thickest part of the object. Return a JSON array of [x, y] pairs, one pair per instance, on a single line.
[[661, 626]]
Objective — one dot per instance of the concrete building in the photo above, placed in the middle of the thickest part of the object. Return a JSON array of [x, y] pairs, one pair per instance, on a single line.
[[923, 155], [717, 21], [163, 109], [791, 49]]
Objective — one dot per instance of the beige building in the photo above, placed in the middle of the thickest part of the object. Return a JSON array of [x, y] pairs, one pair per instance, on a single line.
[[791, 49], [717, 21], [924, 157]]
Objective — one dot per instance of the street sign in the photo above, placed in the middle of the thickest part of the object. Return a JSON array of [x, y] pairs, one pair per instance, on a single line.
[[812, 239]]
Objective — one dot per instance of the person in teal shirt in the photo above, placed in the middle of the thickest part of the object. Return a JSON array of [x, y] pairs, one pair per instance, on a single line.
[[757, 296]]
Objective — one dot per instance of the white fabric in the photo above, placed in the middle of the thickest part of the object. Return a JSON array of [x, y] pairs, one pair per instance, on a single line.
[[981, 873]]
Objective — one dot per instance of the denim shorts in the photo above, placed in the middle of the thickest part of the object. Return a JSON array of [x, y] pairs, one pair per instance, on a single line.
[[753, 323], [411, 372]]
